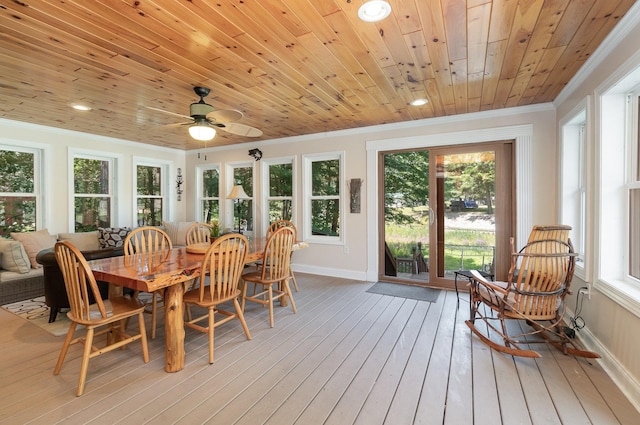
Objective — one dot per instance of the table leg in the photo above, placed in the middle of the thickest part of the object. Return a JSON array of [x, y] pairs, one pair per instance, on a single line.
[[455, 281], [174, 328]]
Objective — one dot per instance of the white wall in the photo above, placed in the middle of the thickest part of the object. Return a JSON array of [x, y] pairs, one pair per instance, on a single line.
[[57, 145]]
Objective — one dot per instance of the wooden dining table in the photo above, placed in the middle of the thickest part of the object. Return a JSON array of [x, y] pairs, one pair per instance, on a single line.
[[167, 271]]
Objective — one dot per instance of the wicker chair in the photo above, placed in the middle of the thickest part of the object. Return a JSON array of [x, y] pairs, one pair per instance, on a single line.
[[537, 283]]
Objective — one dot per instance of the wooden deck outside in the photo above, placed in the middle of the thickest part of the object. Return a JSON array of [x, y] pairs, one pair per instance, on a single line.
[[347, 357]]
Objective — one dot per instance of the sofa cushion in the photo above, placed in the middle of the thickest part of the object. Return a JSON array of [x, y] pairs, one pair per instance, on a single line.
[[13, 257], [177, 231], [112, 237], [84, 241], [35, 242]]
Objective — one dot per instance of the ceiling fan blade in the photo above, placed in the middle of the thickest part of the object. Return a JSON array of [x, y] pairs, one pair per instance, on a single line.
[[241, 130], [225, 115], [167, 112], [176, 125]]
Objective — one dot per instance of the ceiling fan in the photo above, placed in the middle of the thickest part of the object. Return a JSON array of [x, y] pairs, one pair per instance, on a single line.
[[204, 119]]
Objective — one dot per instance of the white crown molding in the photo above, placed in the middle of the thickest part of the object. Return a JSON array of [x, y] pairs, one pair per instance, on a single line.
[[374, 129]]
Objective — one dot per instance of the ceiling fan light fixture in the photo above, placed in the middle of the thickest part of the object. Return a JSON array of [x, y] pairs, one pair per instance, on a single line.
[[202, 132], [374, 11]]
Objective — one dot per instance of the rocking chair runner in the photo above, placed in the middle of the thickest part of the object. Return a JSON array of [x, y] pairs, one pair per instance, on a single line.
[[537, 284]]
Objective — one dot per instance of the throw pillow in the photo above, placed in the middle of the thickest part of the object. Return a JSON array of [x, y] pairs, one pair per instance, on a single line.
[[112, 237], [34, 242], [177, 231], [84, 241], [13, 256]]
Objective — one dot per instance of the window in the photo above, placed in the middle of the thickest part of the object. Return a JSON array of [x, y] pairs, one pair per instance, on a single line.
[[619, 193], [322, 194], [19, 189], [150, 194], [574, 188], [243, 208], [633, 187], [209, 202], [92, 192], [278, 191]]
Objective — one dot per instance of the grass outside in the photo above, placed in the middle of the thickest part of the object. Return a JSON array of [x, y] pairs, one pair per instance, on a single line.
[[465, 248]]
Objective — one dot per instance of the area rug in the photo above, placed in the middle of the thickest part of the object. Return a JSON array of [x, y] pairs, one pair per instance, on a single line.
[[37, 312], [413, 292]]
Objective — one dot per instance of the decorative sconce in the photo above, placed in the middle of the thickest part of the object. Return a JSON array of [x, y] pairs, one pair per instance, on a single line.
[[179, 182], [354, 195], [255, 153]]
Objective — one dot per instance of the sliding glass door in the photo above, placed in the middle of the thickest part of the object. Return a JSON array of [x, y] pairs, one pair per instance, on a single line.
[[445, 209]]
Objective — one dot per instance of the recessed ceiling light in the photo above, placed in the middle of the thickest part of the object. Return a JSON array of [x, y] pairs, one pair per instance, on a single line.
[[81, 107], [374, 11], [419, 102]]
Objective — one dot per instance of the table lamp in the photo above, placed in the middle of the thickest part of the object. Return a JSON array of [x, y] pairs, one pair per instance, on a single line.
[[237, 193]]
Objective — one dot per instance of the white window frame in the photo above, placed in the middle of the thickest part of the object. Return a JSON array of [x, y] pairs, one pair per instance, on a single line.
[[266, 198], [574, 181], [230, 210], [37, 180], [307, 161], [200, 198], [616, 150], [111, 161], [165, 188]]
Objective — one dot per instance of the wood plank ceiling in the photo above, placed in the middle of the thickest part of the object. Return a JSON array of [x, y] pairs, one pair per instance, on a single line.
[[291, 67]]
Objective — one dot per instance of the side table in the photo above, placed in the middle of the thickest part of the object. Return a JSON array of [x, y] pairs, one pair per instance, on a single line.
[[467, 274]]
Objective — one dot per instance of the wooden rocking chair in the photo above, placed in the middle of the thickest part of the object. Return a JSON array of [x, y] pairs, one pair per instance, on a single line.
[[537, 284]]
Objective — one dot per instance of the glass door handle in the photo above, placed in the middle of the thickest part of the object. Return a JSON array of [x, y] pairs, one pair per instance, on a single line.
[[432, 219]]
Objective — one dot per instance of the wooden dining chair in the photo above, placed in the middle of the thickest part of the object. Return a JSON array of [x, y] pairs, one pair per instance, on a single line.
[[148, 240], [222, 264], [277, 225], [198, 233], [277, 257], [110, 314]]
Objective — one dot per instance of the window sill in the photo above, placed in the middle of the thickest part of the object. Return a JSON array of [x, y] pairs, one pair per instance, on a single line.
[[623, 293]]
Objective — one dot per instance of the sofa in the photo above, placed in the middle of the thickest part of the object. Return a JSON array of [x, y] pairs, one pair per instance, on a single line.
[[55, 293]]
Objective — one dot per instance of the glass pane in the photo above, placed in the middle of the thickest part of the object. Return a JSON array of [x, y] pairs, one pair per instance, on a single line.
[[149, 212], [210, 184], [16, 169], [210, 211], [149, 181], [325, 217], [281, 180], [91, 213], [468, 185], [279, 210], [406, 214], [325, 178], [244, 176], [91, 176], [634, 233], [17, 214]]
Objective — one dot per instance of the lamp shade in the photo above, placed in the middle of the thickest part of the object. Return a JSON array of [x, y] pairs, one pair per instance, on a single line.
[[237, 192], [202, 132]]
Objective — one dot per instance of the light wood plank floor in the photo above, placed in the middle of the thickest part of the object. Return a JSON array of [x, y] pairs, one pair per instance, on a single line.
[[347, 357]]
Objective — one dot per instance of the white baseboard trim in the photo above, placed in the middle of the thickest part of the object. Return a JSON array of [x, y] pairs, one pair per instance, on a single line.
[[616, 371], [324, 271]]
